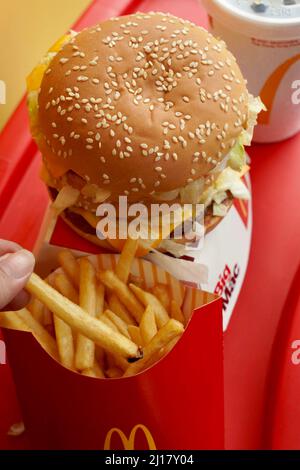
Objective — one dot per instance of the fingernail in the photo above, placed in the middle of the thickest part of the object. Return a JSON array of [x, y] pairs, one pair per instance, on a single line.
[[18, 264]]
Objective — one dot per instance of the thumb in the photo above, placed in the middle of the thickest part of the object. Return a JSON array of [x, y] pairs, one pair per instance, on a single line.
[[15, 269]]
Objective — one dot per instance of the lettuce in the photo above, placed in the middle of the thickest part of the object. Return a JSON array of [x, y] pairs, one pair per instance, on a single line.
[[190, 194], [254, 108], [230, 180], [220, 210], [237, 157]]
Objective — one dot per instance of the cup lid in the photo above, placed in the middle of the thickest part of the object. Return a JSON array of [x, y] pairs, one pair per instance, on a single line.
[[264, 19]]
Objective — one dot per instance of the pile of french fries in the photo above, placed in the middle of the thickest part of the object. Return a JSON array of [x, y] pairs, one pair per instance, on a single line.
[[101, 323]]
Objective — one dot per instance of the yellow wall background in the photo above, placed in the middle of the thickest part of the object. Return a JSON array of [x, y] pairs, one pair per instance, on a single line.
[[27, 29]]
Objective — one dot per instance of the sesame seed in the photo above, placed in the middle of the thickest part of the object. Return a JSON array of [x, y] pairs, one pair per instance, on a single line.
[[82, 78]]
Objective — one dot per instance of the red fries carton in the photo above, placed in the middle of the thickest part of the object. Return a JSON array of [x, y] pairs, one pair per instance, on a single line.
[[177, 403]]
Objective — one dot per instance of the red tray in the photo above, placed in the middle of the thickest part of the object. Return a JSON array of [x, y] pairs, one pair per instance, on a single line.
[[274, 257]]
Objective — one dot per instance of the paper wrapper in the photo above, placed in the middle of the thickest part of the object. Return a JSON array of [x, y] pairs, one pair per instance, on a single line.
[[175, 404]]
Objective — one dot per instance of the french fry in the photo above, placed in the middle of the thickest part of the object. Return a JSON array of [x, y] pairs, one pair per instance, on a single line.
[[162, 352], [170, 346], [12, 321], [77, 318], [36, 309], [137, 280], [120, 324], [89, 373], [63, 332], [85, 347], [167, 333], [120, 362], [94, 371], [100, 292], [65, 343], [176, 312], [116, 306], [41, 334], [147, 298], [40, 312], [69, 264], [108, 322], [63, 284], [115, 360], [148, 326], [111, 361], [114, 373], [161, 291], [111, 281], [47, 320], [98, 370], [126, 258], [135, 334]]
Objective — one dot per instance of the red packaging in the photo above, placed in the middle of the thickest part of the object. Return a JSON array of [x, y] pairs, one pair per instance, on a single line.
[[176, 404]]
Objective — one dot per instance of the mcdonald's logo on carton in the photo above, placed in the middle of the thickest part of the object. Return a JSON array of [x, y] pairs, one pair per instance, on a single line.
[[129, 442]]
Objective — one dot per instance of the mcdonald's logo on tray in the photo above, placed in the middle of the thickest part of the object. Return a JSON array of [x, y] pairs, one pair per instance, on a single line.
[[129, 442]]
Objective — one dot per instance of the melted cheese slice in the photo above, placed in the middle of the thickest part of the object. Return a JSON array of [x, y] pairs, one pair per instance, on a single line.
[[145, 245]]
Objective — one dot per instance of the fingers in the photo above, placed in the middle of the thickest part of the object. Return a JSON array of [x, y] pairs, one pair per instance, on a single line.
[[15, 269], [20, 301], [6, 246]]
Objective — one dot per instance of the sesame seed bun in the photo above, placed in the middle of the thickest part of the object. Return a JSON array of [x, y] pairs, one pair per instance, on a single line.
[[140, 104]]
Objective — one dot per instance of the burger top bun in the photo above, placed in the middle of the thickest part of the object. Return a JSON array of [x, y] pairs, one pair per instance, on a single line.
[[140, 104]]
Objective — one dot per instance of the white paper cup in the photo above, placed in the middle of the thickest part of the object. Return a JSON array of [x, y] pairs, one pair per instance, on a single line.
[[267, 47]]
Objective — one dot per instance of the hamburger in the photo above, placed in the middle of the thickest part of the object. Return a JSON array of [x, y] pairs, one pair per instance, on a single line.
[[147, 106]]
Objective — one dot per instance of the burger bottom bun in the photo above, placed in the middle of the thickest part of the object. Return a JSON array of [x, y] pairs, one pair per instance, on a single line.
[[85, 230]]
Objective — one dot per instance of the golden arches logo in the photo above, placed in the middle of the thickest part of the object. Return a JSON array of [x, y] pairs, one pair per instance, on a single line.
[[268, 91], [128, 443]]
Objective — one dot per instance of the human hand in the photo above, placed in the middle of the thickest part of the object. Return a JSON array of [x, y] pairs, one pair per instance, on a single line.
[[16, 265]]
